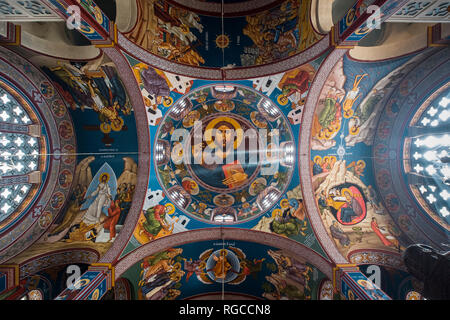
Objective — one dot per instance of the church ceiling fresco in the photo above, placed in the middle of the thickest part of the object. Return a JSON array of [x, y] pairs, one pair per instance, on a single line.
[[222, 154], [344, 127], [187, 193], [241, 267], [20, 153], [233, 191], [186, 37]]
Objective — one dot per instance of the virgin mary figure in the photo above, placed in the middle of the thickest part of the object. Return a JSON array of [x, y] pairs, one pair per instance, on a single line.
[[103, 198]]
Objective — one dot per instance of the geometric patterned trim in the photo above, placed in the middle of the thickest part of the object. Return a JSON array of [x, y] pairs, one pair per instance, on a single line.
[[377, 257], [427, 74]]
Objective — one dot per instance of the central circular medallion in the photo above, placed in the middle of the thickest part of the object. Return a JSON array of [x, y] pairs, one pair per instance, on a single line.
[[224, 153]]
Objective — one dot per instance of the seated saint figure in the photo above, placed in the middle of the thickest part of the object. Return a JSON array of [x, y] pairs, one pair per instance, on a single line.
[[222, 265]]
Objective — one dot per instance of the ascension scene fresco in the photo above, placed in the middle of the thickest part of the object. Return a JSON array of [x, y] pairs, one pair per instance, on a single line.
[[246, 269]]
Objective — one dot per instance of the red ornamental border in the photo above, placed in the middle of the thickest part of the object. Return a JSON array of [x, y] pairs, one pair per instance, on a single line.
[[304, 157]]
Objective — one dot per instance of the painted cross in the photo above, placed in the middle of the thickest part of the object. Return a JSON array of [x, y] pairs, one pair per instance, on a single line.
[[37, 211]]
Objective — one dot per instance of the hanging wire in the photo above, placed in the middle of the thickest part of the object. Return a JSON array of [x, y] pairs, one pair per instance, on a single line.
[[223, 83], [223, 35]]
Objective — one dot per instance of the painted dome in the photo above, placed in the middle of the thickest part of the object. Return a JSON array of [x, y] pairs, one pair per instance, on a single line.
[[224, 153], [250, 33]]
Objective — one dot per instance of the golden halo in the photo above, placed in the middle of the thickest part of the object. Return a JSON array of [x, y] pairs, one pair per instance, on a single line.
[[117, 127], [350, 17], [284, 203], [105, 127], [346, 190], [95, 295], [102, 175], [351, 296], [167, 102], [317, 158], [276, 212], [366, 284], [363, 163], [353, 131], [362, 31], [82, 283], [98, 15], [176, 266], [282, 100], [211, 125], [171, 208], [184, 29], [348, 113], [86, 29]]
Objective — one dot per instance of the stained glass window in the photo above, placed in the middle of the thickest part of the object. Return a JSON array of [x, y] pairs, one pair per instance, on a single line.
[[430, 155], [11, 111], [20, 153]]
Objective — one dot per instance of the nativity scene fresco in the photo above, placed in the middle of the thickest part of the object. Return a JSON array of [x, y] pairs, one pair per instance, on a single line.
[[189, 38], [343, 130], [245, 268]]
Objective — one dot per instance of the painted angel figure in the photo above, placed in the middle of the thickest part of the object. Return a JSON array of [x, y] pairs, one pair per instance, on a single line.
[[103, 198]]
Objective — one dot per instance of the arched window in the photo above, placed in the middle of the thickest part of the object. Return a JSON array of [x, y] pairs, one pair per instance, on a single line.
[[22, 153], [427, 156]]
